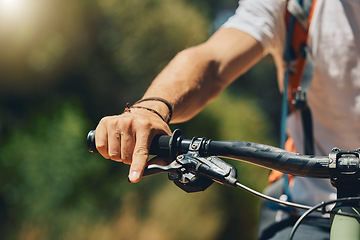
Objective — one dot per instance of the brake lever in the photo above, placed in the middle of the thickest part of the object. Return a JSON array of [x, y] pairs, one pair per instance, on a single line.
[[176, 166], [193, 173], [152, 169]]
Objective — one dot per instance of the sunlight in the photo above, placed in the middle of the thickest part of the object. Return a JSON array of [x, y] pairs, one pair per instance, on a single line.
[[11, 5], [12, 9]]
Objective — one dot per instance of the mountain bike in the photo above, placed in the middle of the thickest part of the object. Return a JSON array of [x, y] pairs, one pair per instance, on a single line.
[[196, 164]]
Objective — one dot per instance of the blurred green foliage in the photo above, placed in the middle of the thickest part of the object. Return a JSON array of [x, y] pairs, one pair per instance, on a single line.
[[64, 65]]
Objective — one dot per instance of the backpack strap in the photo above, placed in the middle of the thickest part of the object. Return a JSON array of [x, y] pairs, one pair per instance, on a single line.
[[300, 10], [297, 79], [300, 103], [300, 68]]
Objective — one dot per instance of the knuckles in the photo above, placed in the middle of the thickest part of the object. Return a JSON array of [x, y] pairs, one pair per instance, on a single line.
[[126, 126], [127, 121], [143, 124], [114, 156], [141, 150], [101, 146]]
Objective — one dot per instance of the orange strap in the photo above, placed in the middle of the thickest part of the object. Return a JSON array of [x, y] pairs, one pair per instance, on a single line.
[[299, 38], [275, 175]]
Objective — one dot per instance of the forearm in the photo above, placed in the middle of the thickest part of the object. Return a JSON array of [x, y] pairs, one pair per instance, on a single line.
[[197, 75], [189, 82]]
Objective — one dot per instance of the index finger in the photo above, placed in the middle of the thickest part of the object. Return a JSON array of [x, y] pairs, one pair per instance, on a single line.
[[140, 156]]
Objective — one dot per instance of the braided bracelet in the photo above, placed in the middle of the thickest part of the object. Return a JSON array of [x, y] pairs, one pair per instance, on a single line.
[[149, 109], [160, 100]]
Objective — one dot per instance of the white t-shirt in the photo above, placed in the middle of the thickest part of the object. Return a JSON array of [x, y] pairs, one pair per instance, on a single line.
[[334, 97]]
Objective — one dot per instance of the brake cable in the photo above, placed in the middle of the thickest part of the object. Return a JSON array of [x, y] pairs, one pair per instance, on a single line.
[[322, 205]]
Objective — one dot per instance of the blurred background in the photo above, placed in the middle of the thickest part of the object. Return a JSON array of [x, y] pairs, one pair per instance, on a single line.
[[66, 64]]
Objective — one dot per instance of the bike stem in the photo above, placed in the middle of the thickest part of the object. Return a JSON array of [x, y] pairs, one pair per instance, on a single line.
[[345, 176]]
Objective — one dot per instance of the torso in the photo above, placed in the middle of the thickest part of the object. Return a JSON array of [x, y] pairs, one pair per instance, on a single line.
[[334, 97]]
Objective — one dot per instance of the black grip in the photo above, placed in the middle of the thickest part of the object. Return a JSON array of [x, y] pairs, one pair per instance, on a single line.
[[90, 141], [159, 146]]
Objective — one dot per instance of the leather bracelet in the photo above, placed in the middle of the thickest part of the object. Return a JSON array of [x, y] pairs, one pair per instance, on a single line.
[[160, 100], [146, 108], [127, 108]]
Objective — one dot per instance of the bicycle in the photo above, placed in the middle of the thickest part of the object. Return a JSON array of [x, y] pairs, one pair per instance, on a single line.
[[196, 165]]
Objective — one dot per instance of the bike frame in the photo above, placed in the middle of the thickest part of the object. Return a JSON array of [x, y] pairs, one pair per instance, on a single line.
[[343, 227]]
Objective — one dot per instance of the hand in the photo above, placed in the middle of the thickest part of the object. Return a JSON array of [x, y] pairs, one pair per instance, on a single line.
[[127, 138]]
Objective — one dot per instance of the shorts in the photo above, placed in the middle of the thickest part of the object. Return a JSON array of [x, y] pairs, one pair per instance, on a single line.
[[312, 227]]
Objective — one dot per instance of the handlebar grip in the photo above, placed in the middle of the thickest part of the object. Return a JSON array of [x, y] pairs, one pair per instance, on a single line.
[[159, 145], [90, 141]]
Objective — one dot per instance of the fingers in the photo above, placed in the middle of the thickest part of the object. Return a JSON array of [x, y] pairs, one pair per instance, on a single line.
[[101, 139], [127, 146], [114, 145], [108, 137], [140, 156], [127, 138]]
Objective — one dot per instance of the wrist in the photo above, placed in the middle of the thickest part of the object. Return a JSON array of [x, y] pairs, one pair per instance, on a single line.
[[159, 106]]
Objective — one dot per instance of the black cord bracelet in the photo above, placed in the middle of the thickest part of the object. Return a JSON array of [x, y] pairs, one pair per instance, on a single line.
[[149, 109], [160, 100]]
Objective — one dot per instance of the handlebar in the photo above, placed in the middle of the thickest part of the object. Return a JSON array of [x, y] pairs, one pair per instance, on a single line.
[[258, 154], [195, 167]]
